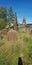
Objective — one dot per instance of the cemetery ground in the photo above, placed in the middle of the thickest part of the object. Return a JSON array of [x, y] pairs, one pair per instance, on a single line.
[[11, 50]]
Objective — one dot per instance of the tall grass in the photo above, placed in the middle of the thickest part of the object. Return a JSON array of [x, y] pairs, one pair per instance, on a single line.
[[10, 51]]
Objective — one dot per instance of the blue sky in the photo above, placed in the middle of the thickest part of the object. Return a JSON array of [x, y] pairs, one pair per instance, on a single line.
[[23, 8]]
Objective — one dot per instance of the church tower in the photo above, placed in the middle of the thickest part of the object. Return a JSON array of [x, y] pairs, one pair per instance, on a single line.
[[24, 22]]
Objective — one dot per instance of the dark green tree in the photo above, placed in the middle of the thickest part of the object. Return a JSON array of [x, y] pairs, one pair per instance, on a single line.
[[3, 17], [10, 16], [3, 12]]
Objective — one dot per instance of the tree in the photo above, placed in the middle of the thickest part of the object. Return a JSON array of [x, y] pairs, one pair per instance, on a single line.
[[3, 12], [10, 16], [7, 17], [3, 17]]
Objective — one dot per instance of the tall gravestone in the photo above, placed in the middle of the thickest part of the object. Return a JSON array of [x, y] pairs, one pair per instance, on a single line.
[[12, 35]]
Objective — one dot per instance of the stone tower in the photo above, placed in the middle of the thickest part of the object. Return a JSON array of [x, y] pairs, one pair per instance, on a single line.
[[15, 22], [24, 22]]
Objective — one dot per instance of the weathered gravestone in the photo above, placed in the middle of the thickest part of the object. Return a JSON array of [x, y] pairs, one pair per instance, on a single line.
[[0, 35], [30, 30], [4, 31], [12, 35]]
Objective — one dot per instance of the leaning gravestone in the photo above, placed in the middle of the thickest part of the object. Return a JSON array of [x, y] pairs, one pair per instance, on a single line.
[[4, 31], [12, 35]]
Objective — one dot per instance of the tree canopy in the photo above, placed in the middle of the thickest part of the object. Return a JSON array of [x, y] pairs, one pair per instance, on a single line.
[[6, 16]]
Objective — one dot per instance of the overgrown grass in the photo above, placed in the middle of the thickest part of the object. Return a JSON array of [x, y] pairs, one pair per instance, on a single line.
[[10, 51], [1, 43]]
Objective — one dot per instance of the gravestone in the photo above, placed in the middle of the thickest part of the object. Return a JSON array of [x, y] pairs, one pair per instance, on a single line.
[[30, 30], [0, 35], [4, 31], [12, 35]]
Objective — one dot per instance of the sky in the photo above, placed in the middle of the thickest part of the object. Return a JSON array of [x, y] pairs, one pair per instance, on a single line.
[[23, 8]]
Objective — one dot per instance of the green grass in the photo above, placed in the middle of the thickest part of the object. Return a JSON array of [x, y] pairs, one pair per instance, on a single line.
[[1, 43], [10, 50]]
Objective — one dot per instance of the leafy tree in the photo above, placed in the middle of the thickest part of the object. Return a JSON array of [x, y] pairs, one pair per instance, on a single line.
[[3, 17], [6, 17], [2, 12]]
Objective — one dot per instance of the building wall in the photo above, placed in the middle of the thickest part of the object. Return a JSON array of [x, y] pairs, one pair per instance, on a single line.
[[24, 28]]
